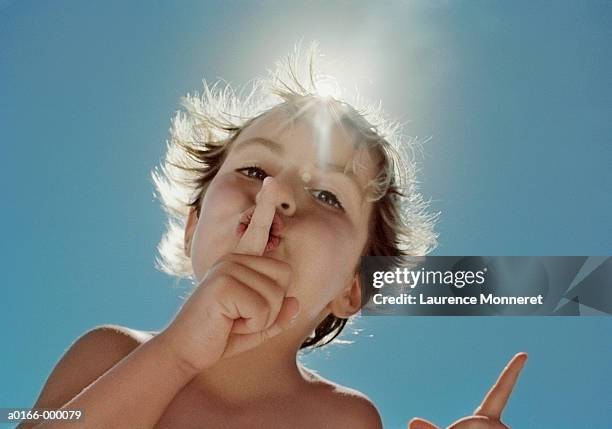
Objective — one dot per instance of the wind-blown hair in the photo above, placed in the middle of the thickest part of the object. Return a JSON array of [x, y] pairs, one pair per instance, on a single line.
[[203, 131]]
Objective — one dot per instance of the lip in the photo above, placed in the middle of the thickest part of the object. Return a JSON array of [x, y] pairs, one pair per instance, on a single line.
[[276, 229]]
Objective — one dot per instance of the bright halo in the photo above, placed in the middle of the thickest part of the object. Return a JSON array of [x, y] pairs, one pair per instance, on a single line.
[[328, 88]]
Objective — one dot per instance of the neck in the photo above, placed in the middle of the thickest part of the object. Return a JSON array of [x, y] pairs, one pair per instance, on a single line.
[[268, 370]]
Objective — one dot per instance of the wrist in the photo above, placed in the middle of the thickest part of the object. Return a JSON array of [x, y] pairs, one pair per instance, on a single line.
[[164, 341]]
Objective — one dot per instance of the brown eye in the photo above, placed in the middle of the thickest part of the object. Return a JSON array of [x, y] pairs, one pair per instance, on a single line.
[[253, 172], [327, 198]]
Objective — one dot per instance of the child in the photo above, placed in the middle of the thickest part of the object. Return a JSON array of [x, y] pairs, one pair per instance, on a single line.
[[272, 201]]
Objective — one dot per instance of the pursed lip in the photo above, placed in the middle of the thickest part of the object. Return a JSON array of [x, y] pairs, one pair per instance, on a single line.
[[276, 229]]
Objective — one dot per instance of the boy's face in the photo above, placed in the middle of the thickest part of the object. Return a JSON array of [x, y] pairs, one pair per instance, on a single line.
[[323, 209]]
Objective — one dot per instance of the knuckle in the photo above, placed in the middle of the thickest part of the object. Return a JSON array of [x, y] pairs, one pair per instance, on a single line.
[[223, 284], [214, 273], [233, 257], [222, 260], [227, 265]]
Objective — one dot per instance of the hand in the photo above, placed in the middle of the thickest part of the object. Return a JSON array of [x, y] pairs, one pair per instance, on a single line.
[[241, 302], [488, 414]]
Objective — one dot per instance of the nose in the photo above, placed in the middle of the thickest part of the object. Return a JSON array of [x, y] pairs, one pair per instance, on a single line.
[[285, 203], [286, 200]]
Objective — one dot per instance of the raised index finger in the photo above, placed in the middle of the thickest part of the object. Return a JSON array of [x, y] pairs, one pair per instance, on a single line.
[[255, 238], [495, 401]]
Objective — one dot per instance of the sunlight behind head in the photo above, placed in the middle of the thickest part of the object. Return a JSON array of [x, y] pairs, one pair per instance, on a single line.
[[210, 122]]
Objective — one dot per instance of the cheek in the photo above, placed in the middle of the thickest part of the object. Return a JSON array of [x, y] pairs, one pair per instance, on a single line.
[[327, 252], [337, 241]]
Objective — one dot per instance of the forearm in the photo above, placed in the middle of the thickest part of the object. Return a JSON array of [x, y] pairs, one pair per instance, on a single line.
[[134, 393]]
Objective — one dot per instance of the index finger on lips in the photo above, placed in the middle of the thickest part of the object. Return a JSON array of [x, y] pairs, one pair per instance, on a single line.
[[255, 238], [497, 398]]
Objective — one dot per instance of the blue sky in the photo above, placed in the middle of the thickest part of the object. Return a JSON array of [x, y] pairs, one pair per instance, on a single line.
[[517, 100]]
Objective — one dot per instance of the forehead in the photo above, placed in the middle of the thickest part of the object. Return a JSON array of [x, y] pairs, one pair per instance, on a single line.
[[315, 136]]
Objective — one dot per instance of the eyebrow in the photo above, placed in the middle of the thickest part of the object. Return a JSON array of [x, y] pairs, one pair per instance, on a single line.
[[270, 144], [279, 149]]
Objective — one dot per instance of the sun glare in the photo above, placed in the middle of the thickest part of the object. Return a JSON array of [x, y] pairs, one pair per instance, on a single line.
[[328, 88]]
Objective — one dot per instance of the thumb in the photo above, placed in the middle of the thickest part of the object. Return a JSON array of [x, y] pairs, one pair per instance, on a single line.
[[418, 423]]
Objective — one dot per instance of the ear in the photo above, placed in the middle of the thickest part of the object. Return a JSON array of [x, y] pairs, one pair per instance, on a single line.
[[192, 222], [348, 302]]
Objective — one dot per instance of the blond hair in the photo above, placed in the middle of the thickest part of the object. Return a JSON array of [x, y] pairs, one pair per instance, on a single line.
[[201, 134]]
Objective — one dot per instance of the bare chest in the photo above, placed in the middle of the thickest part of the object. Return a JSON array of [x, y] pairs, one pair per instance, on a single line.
[[196, 413]]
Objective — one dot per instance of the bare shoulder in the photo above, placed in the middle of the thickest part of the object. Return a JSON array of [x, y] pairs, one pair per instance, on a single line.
[[88, 358], [347, 407]]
